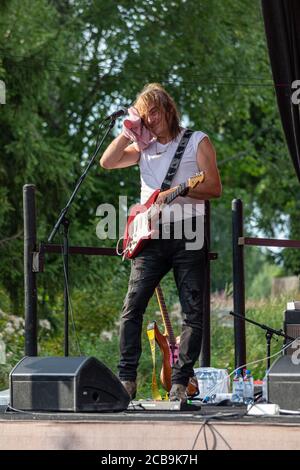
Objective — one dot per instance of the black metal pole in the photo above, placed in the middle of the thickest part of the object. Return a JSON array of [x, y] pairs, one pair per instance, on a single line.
[[205, 348], [30, 289], [238, 283], [269, 338]]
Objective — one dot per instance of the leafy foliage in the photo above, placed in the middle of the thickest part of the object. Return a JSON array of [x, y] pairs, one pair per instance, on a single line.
[[66, 65]]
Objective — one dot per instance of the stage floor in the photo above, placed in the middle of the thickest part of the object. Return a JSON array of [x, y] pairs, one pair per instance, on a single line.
[[211, 427]]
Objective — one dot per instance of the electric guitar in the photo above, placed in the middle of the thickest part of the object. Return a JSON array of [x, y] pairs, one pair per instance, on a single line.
[[169, 347], [142, 218]]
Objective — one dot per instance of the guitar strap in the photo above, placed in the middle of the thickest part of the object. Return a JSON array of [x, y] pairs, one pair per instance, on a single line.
[[174, 165]]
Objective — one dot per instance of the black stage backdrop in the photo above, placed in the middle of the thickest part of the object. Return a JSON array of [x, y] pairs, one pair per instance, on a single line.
[[282, 25]]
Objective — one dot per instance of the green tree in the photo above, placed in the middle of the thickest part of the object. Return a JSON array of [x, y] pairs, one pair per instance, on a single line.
[[67, 64]]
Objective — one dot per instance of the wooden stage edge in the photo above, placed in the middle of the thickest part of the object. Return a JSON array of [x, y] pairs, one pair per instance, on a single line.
[[148, 430]]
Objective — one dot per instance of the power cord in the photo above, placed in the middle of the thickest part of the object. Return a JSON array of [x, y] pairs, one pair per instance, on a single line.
[[198, 434]]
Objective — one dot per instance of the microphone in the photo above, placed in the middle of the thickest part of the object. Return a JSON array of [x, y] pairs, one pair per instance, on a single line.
[[121, 112]]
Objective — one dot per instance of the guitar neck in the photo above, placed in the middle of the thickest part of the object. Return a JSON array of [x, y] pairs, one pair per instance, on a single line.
[[180, 189], [190, 183], [165, 315]]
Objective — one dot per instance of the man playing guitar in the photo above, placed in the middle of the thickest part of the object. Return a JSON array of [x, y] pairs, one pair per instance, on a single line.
[[155, 112]]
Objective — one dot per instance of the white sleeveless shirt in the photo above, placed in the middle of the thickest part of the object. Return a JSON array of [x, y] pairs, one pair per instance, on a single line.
[[153, 169]]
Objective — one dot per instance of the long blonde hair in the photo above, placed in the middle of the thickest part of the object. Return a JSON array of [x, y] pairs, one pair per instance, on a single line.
[[154, 94]]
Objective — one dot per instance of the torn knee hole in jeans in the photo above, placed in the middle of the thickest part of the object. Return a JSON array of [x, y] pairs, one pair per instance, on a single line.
[[137, 276], [138, 264], [192, 300]]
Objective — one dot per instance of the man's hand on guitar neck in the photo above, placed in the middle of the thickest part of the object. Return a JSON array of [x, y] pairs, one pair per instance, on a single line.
[[164, 194]]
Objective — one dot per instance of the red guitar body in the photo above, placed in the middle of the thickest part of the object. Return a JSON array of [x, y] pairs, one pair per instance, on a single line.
[[138, 230], [143, 218]]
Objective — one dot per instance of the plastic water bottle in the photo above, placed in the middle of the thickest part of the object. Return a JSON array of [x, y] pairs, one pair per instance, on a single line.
[[206, 386], [238, 388], [202, 384], [248, 388], [210, 391]]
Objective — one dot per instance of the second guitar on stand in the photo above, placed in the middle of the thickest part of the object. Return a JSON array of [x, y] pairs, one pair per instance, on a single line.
[[169, 347]]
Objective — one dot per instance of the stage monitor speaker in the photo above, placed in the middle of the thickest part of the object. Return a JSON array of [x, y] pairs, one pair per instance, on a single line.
[[291, 328], [65, 384], [284, 382]]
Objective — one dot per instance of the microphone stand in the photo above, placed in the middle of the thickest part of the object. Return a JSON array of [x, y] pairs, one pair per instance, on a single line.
[[269, 334], [64, 221]]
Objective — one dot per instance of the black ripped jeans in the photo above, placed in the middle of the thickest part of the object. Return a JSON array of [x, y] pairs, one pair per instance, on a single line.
[[147, 270]]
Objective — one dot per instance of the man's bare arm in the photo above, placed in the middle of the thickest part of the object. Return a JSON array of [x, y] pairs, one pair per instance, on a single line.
[[207, 162], [120, 154]]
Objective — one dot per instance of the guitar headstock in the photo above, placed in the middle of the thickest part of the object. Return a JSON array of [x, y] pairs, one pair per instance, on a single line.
[[196, 179]]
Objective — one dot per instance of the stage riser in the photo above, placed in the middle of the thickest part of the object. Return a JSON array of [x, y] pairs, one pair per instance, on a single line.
[[151, 435]]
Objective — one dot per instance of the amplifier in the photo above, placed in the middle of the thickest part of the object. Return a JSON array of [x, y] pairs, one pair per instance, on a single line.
[[284, 382]]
